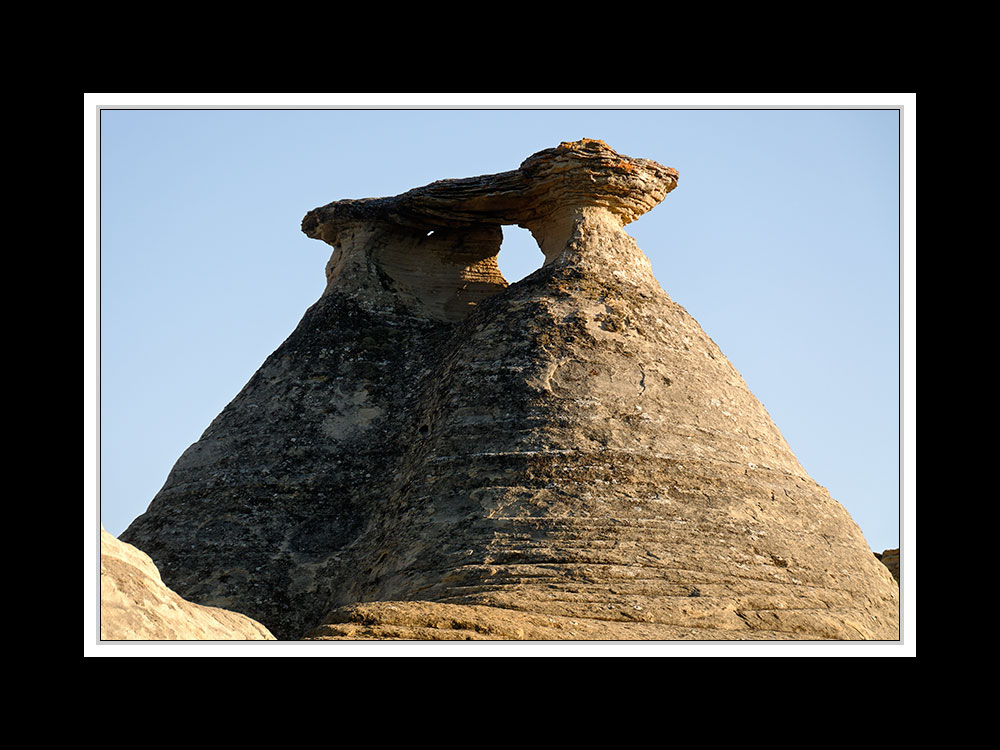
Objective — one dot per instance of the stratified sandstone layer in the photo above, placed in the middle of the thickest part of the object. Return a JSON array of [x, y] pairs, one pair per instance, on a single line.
[[137, 606], [435, 454]]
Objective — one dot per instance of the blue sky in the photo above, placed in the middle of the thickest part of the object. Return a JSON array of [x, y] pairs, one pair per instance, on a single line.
[[782, 240]]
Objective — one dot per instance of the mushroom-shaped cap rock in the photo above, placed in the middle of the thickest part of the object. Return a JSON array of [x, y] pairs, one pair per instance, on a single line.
[[571, 175]]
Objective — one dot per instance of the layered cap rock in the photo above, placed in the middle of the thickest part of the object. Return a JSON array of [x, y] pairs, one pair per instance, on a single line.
[[571, 175]]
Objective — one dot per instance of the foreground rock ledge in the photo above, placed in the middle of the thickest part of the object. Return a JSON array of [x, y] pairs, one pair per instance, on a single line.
[[136, 605], [623, 621], [434, 453]]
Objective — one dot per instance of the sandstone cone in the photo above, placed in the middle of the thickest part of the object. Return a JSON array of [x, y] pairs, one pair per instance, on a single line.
[[434, 454]]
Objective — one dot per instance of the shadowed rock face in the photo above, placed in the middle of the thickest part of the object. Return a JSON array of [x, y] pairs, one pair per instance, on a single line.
[[435, 454]]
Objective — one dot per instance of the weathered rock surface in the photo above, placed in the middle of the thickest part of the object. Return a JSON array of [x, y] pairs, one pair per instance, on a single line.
[[136, 605], [890, 559], [435, 454]]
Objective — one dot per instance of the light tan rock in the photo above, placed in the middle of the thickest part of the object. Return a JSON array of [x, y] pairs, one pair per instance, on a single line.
[[621, 621], [137, 606]]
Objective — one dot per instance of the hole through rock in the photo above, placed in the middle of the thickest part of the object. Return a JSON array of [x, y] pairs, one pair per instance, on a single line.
[[519, 254]]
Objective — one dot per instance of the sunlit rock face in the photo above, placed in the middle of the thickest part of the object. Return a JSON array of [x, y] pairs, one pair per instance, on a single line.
[[434, 453]]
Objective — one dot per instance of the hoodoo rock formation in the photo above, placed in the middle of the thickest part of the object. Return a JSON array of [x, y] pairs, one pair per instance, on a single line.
[[435, 454]]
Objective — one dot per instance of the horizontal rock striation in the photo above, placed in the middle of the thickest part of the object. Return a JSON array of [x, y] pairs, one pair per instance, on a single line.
[[570, 176], [435, 454]]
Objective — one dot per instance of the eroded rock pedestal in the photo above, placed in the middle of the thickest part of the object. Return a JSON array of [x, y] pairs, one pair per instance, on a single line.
[[435, 454]]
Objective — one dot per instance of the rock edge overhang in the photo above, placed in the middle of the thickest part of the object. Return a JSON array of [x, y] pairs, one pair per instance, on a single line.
[[571, 175]]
